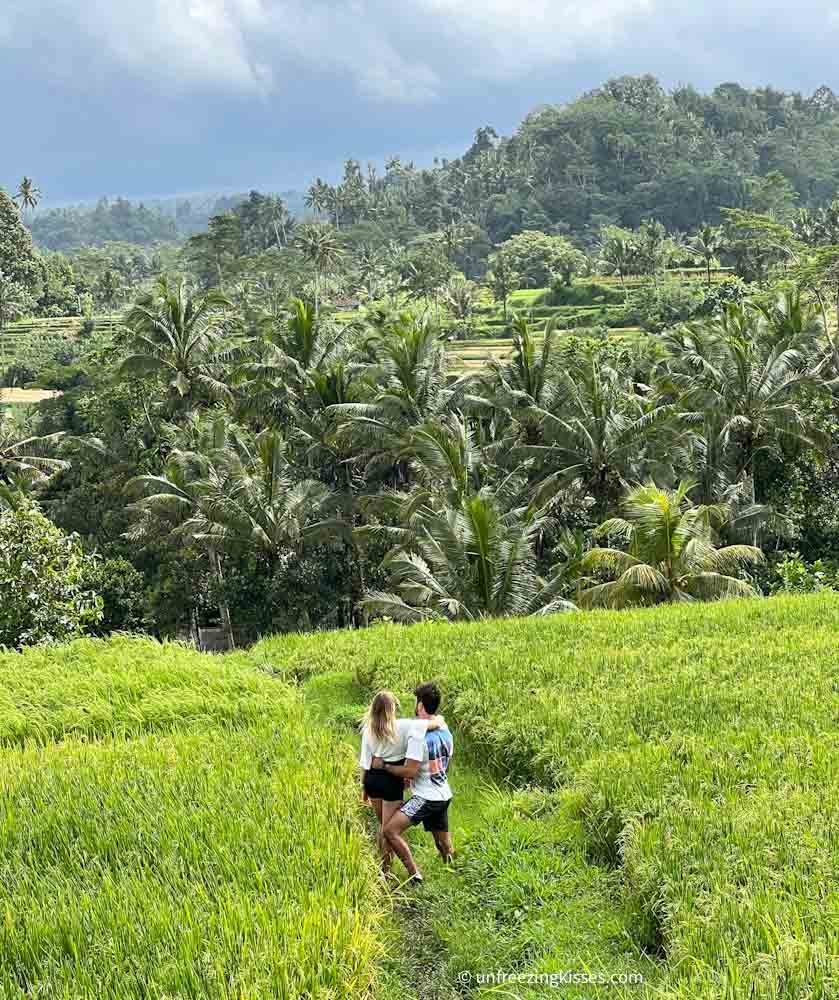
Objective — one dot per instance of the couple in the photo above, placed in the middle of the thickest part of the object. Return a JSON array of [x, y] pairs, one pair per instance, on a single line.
[[396, 751]]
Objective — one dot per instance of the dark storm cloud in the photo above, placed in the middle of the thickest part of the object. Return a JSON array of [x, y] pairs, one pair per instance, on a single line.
[[159, 96]]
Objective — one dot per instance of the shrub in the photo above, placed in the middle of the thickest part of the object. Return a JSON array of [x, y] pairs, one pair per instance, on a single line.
[[655, 307], [121, 589], [584, 293], [795, 576], [43, 575]]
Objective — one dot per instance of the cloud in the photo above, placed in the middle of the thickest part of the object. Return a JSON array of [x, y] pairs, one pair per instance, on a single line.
[[508, 38], [138, 96], [185, 41], [407, 52]]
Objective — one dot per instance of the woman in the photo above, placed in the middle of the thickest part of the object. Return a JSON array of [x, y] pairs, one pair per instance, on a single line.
[[384, 735]]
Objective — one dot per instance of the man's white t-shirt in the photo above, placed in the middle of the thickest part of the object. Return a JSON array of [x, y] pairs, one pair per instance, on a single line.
[[390, 752], [433, 750]]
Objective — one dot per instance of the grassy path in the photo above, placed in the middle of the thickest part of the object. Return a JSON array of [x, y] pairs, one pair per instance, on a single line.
[[523, 896]]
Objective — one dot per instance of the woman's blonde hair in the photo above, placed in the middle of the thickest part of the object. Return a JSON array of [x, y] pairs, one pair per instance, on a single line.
[[380, 717]]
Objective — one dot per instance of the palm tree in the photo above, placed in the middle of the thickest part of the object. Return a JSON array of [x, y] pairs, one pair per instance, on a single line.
[[671, 553], [707, 244], [316, 196], [466, 562], [749, 369], [321, 248], [185, 502], [26, 459], [108, 288], [460, 297], [177, 335], [28, 195], [406, 373], [597, 431], [527, 376], [286, 352], [227, 494], [271, 511], [616, 252]]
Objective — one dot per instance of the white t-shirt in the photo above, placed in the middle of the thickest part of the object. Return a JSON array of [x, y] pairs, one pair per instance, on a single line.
[[390, 752], [433, 750]]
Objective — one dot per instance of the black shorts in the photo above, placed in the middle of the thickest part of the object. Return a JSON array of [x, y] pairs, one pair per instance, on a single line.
[[434, 815], [380, 785]]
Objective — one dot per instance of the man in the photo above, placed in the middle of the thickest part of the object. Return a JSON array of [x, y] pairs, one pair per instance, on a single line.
[[426, 765]]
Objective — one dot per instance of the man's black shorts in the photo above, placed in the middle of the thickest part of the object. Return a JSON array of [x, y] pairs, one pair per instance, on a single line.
[[433, 815]]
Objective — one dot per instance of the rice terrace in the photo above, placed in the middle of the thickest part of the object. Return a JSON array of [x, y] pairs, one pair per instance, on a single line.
[[419, 572]]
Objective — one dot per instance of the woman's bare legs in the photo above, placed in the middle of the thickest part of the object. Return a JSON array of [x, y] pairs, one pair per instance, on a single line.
[[384, 810], [377, 809], [388, 809]]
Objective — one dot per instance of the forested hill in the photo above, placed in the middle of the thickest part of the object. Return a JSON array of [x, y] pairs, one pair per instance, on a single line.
[[124, 221], [619, 154], [623, 153]]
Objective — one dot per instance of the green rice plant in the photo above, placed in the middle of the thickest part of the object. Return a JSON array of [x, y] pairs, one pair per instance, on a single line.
[[171, 826], [698, 745]]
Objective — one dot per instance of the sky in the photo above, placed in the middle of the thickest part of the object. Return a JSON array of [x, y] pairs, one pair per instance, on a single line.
[[161, 97]]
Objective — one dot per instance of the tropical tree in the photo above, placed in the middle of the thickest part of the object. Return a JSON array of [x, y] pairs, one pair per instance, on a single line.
[[228, 495], [108, 288], [463, 537], [406, 372], [538, 258], [524, 379], [597, 431], [467, 562], [18, 259], [285, 352], [185, 502], [321, 248], [502, 280], [671, 554], [177, 335], [45, 594], [750, 368], [616, 252], [461, 297], [28, 195], [26, 458], [707, 244]]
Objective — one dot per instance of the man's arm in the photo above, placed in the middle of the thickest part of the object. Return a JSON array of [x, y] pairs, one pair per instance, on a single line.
[[410, 769]]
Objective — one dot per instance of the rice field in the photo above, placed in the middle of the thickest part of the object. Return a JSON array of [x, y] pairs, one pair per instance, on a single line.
[[18, 336], [164, 833], [26, 397], [695, 746]]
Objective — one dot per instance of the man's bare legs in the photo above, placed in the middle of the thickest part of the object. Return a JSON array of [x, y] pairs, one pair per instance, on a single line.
[[398, 824], [443, 843]]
